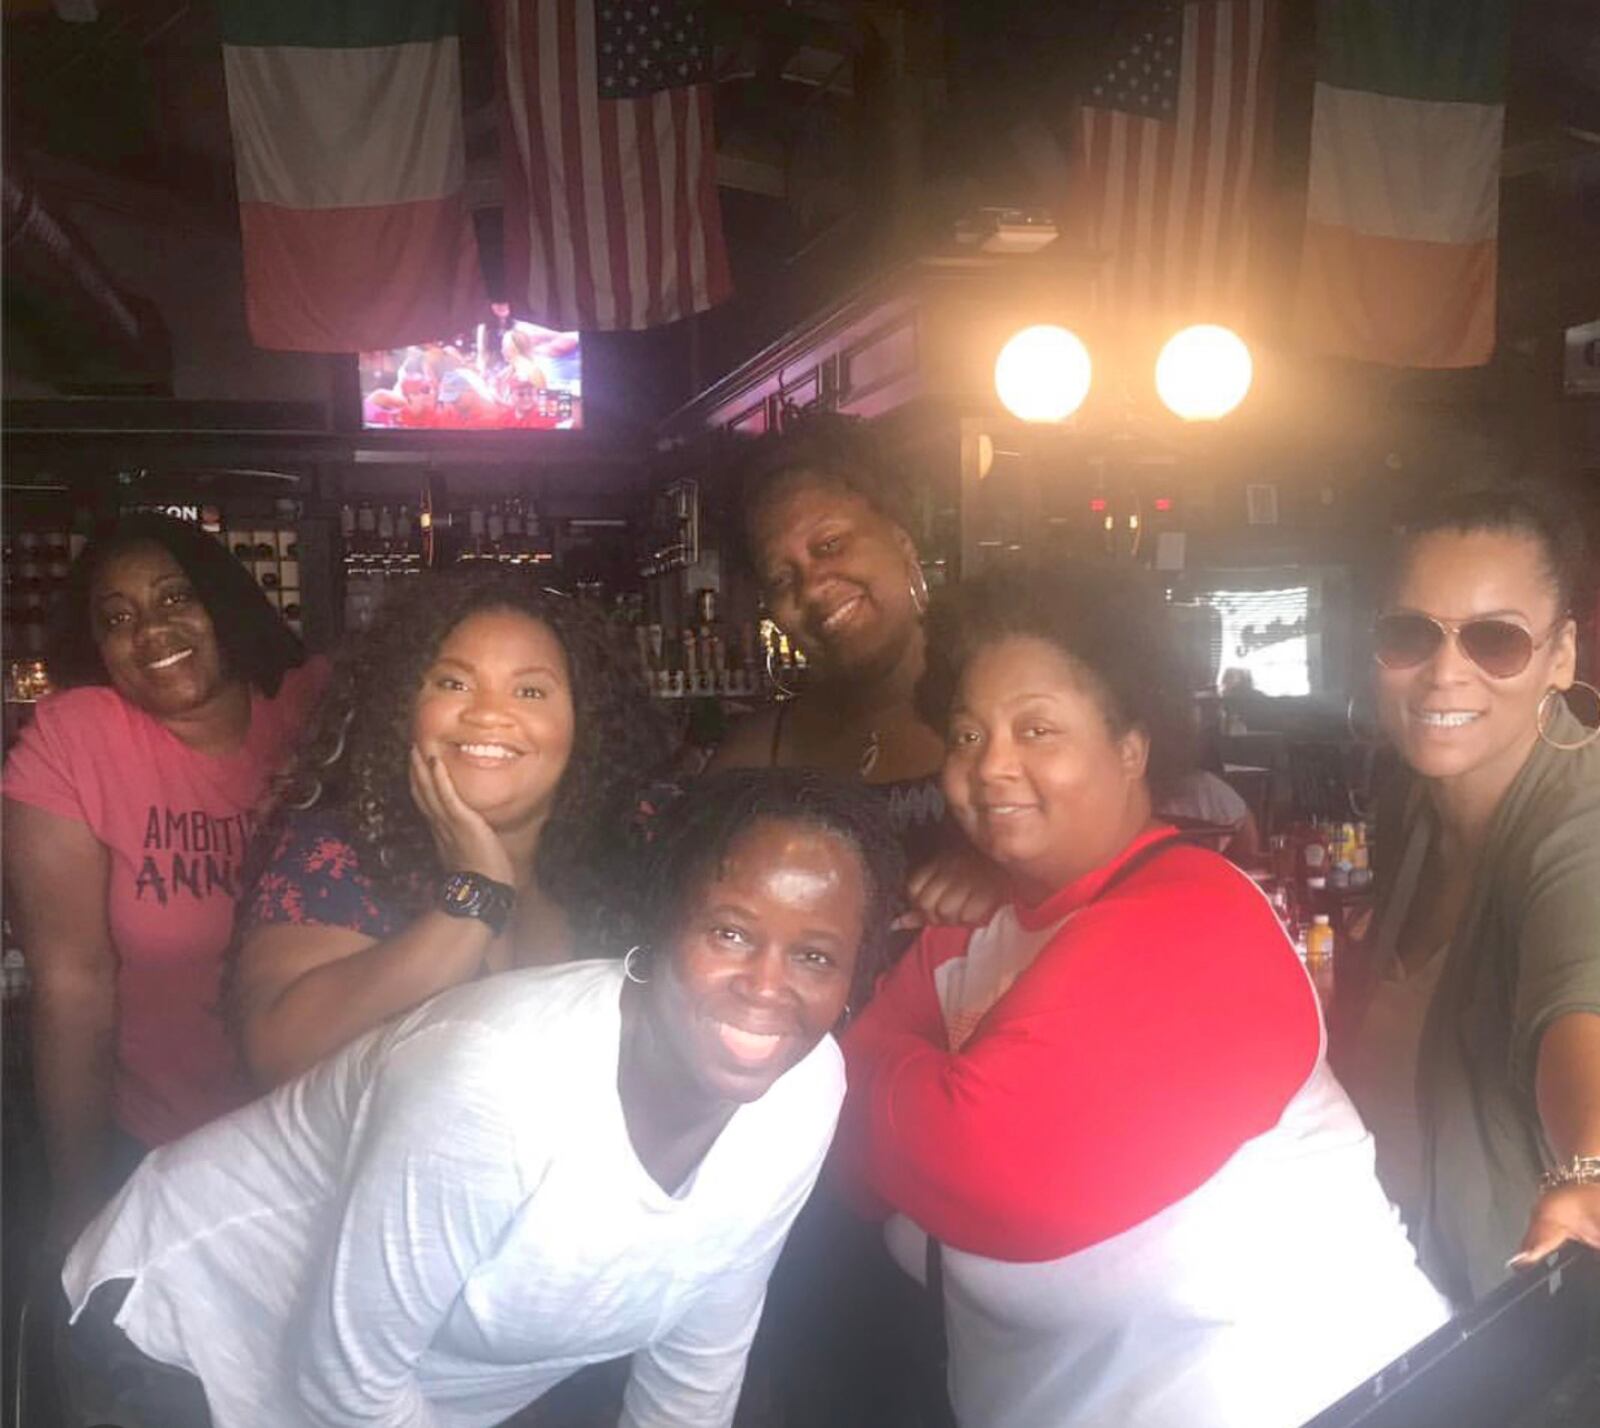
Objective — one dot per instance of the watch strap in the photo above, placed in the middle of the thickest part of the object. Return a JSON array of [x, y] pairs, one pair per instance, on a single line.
[[476, 896]]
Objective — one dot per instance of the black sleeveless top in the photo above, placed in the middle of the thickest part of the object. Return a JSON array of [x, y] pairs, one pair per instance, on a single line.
[[915, 806]]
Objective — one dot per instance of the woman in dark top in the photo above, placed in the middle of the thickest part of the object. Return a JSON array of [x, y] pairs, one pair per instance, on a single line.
[[475, 759], [846, 1340], [825, 531]]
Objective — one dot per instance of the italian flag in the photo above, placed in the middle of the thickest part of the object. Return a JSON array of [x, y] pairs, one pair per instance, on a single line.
[[1400, 247], [347, 136]]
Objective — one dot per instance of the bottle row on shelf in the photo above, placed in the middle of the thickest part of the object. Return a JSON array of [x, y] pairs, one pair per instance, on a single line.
[[395, 539], [749, 660]]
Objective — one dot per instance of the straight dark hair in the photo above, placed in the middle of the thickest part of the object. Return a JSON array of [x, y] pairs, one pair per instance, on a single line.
[[1538, 510], [255, 644]]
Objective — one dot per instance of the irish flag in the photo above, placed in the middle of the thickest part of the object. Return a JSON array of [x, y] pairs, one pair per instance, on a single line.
[[1399, 258], [347, 136]]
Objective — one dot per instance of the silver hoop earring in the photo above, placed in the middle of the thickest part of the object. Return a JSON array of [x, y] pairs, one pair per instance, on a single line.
[[775, 677], [919, 590], [1542, 720], [628, 967]]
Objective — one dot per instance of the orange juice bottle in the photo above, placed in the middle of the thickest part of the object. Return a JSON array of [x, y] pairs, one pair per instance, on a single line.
[[1319, 954]]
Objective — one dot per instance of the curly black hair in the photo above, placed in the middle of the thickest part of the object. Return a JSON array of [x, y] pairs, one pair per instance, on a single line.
[[254, 643], [696, 833], [1108, 620], [823, 447], [355, 761], [1538, 510]]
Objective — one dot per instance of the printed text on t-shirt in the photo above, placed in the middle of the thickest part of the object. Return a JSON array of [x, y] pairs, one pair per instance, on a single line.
[[191, 851]]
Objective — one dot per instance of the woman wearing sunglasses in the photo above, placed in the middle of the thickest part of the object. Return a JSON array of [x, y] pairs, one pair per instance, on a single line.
[[1476, 1054]]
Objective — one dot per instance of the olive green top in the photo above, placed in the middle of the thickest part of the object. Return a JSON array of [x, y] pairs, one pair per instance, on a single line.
[[1527, 951]]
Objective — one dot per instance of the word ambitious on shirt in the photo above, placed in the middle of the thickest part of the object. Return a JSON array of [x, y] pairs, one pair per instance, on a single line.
[[191, 851]]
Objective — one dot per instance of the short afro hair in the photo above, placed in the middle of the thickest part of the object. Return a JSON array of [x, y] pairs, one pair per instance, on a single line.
[[1108, 620], [695, 834], [255, 644], [825, 448]]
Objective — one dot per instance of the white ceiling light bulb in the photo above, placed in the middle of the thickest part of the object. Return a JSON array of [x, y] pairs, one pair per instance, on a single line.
[[1204, 372], [1043, 374]]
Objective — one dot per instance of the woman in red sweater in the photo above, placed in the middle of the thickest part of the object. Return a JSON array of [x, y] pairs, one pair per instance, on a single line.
[[1109, 1105]]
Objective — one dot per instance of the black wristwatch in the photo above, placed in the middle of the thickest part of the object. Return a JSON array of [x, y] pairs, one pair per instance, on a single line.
[[473, 895]]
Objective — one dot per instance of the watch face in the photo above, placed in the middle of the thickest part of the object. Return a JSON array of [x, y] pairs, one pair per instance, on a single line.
[[462, 894]]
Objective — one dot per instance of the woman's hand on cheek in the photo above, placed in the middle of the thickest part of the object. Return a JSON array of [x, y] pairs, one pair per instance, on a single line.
[[1569, 1212], [462, 836], [957, 886]]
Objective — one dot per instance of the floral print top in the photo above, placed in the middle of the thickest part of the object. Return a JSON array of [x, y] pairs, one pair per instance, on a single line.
[[314, 876]]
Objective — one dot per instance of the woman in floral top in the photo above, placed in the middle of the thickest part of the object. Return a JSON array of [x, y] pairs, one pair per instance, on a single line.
[[447, 821]]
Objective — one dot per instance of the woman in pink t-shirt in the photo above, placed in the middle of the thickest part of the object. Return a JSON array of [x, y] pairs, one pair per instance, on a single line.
[[128, 803]]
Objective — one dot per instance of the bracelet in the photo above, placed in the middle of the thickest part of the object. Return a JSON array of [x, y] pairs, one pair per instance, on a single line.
[[1580, 1170]]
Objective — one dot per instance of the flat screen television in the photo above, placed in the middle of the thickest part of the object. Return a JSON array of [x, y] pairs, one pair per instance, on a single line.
[[506, 374]]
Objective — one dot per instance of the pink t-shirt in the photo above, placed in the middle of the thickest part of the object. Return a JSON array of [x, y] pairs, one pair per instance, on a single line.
[[175, 823]]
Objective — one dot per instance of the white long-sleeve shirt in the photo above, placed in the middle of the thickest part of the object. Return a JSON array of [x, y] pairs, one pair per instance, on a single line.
[[448, 1217]]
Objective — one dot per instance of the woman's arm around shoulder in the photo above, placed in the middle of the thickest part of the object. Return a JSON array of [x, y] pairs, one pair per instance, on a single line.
[[1152, 1035]]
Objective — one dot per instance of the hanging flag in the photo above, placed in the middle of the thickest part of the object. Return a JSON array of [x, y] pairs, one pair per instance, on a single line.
[[1172, 133], [609, 156], [347, 137], [1400, 248]]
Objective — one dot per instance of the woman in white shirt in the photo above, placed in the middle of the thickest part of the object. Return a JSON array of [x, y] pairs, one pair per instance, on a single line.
[[525, 1175]]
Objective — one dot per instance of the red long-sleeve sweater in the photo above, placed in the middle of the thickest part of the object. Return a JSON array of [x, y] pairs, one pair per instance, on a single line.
[[1158, 1028]]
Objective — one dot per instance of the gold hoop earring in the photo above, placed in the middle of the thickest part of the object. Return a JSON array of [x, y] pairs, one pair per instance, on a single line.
[[1543, 720], [1357, 736]]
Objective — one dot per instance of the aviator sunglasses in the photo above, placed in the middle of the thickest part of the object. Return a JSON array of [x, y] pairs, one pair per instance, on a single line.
[[1499, 648]]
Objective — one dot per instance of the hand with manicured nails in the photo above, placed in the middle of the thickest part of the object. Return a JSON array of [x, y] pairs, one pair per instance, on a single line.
[[463, 838], [1569, 1212]]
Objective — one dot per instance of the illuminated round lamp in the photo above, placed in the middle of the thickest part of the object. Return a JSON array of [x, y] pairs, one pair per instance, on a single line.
[[1203, 372], [1042, 374]]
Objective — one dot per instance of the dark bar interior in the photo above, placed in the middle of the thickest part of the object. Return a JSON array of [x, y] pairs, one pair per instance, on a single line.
[[799, 716]]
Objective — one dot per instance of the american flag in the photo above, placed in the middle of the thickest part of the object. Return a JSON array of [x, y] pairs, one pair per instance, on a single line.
[[609, 158], [1170, 136]]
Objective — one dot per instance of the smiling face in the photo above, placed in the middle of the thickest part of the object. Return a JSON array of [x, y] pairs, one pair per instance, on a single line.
[[1446, 716], [836, 573], [1034, 773], [155, 637], [496, 707], [758, 970]]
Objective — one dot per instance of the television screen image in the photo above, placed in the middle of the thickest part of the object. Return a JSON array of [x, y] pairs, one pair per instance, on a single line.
[[505, 375]]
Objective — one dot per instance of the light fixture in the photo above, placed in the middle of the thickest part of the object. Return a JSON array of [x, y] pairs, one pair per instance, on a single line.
[[1043, 374], [1203, 372]]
